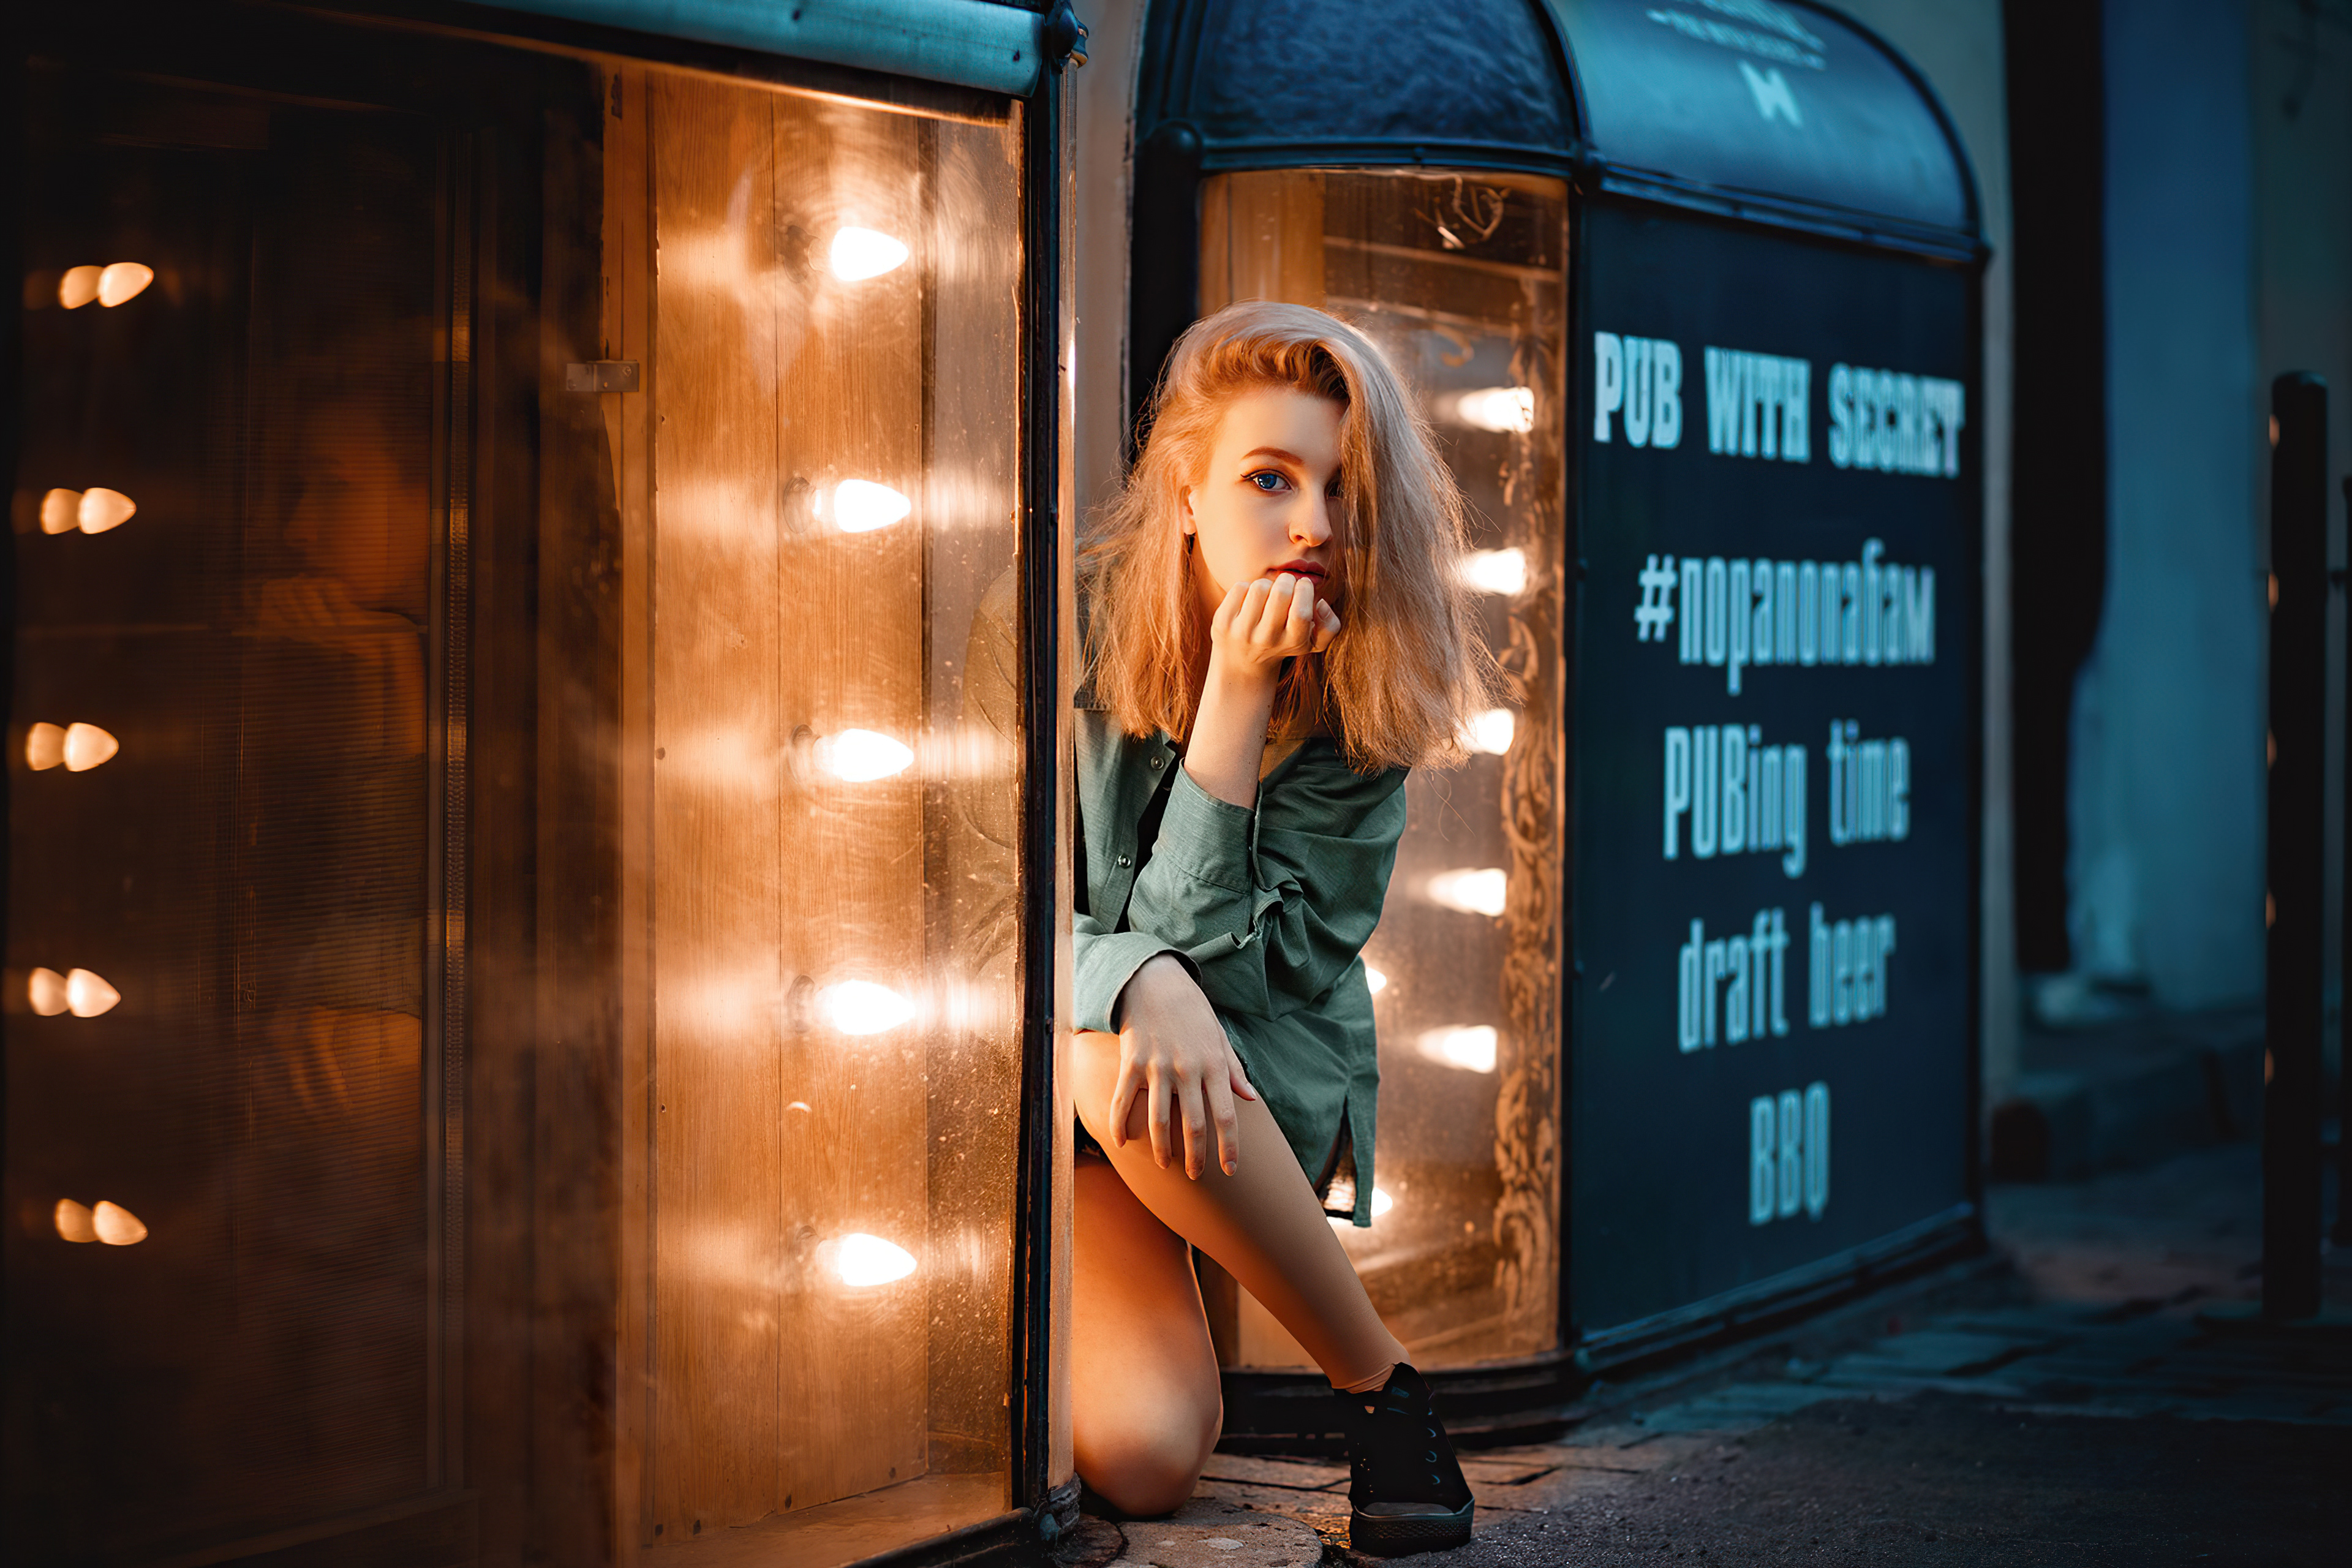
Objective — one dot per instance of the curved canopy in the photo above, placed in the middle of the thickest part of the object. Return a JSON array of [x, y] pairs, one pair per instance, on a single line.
[[1763, 108]]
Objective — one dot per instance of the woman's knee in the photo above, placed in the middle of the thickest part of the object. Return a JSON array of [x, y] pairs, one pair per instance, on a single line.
[[1093, 1073], [1149, 1463]]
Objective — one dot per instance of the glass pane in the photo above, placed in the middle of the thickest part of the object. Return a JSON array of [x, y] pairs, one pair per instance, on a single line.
[[1461, 280], [835, 1035], [220, 1132]]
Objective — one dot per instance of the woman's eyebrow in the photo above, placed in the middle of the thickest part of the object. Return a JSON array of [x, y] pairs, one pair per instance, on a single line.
[[1288, 457]]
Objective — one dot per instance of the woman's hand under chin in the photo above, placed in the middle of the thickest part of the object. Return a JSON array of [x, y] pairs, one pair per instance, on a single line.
[[1260, 622], [1256, 627], [1173, 1053]]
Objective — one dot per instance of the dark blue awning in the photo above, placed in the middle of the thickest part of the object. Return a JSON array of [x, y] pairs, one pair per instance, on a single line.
[[1766, 109]]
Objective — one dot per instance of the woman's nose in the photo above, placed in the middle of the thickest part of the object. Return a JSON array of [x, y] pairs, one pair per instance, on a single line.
[[1310, 524]]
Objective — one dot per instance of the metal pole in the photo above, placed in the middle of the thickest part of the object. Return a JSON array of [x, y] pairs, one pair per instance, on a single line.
[[2344, 970], [2298, 787]]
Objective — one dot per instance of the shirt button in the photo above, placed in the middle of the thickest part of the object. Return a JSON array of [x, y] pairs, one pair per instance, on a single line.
[[1127, 860], [1157, 761]]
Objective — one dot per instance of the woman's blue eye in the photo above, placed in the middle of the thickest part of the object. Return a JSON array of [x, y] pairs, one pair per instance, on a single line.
[[1267, 480]]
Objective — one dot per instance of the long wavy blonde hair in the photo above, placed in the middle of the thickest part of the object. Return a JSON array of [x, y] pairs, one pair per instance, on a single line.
[[1408, 667]]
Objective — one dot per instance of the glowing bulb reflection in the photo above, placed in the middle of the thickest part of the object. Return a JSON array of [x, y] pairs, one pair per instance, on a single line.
[[861, 506], [862, 1007], [117, 1225], [102, 508], [1468, 1046], [73, 1221], [47, 993], [45, 747], [79, 286], [1491, 731], [860, 756], [1381, 1201], [1502, 409], [86, 746], [862, 253], [1478, 892], [88, 996], [123, 280], [60, 511], [1375, 979], [863, 1260], [1496, 571]]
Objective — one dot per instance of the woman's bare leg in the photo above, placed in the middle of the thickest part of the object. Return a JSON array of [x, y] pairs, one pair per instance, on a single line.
[[1144, 1376], [1263, 1223]]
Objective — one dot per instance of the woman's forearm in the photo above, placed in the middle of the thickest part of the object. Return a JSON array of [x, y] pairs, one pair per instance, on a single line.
[[1228, 739]]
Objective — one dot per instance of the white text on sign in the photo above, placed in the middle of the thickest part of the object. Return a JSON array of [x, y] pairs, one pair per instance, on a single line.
[[1638, 382], [1738, 795], [1788, 1154], [1738, 614]]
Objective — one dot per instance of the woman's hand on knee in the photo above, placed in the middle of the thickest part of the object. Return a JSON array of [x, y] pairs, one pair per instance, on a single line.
[[1173, 1055]]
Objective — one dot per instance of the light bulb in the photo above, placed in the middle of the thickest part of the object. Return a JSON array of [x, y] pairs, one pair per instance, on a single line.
[[1375, 979], [859, 756], [45, 747], [1497, 571], [79, 286], [73, 1221], [1491, 731], [87, 996], [861, 506], [862, 1007], [60, 511], [123, 280], [1478, 892], [1502, 409], [117, 1225], [47, 993], [862, 1260], [1466, 1046], [86, 746], [1381, 1201], [862, 253], [102, 508]]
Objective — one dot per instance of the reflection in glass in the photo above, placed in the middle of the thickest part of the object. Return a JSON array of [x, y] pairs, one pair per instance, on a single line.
[[122, 281], [862, 1007], [102, 508], [88, 994], [46, 993], [1466, 1267], [117, 1225], [79, 286], [86, 746], [74, 1221], [60, 511]]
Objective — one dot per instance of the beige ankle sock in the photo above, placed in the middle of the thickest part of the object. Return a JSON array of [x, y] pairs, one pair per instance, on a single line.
[[1368, 1384]]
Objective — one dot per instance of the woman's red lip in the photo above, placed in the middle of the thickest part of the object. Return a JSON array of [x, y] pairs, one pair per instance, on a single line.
[[1301, 569]]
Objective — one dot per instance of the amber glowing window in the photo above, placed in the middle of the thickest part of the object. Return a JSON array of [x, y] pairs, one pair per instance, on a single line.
[[818, 483], [1462, 281]]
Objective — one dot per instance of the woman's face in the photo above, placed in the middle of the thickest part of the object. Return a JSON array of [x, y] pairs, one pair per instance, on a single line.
[[1269, 500]]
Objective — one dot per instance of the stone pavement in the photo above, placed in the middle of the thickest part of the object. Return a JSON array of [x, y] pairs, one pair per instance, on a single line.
[[2066, 1409]]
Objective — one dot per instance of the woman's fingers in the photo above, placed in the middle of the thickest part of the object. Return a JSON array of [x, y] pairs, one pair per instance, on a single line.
[[1327, 626], [1196, 1126], [1220, 1094], [1122, 1097], [1163, 1141], [1238, 1075]]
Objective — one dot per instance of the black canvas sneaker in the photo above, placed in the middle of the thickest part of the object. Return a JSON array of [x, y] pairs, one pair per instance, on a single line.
[[1405, 1489]]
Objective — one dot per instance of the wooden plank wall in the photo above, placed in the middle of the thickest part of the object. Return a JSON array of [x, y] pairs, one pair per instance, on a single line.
[[776, 1386]]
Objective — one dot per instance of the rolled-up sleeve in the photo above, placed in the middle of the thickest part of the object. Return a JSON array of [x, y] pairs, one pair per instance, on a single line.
[[1271, 905]]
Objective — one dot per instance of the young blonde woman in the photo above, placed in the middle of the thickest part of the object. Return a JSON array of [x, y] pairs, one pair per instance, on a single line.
[[1275, 634]]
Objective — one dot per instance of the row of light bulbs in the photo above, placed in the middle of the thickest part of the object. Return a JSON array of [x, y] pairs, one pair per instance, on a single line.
[[80, 747], [93, 510], [77, 748], [108, 286]]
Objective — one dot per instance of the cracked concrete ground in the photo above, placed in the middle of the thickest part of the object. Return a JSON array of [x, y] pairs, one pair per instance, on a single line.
[[2071, 1410]]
